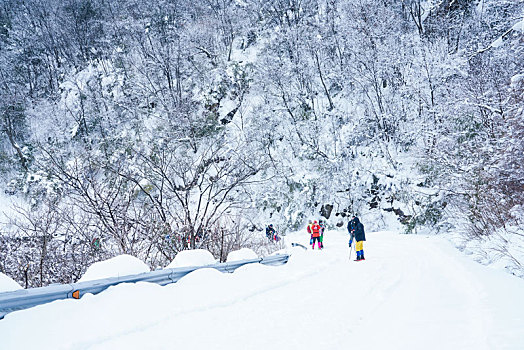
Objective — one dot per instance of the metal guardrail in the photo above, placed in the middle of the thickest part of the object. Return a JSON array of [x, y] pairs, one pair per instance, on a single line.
[[298, 245], [26, 298]]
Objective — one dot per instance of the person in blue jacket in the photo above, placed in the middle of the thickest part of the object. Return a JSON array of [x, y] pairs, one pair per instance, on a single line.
[[356, 231]]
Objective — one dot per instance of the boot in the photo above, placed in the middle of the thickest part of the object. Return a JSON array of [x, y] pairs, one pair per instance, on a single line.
[[362, 256]]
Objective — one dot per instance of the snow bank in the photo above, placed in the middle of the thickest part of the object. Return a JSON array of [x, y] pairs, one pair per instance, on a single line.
[[121, 265], [501, 250], [199, 282], [519, 26], [412, 292], [242, 254], [196, 257], [7, 207], [7, 284], [497, 43], [5, 204]]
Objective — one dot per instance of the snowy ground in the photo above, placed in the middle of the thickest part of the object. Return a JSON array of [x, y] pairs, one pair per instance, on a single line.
[[412, 292]]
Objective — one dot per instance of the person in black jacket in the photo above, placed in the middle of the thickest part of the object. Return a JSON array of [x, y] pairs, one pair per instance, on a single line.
[[351, 231], [356, 230], [270, 232]]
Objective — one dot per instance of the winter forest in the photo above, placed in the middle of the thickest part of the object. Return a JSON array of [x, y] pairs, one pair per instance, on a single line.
[[150, 127]]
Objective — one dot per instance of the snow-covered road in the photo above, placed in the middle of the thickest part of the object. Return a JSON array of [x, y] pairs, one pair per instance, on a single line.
[[412, 292]]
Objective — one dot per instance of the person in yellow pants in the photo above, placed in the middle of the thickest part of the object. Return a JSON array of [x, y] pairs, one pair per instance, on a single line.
[[360, 236], [360, 250]]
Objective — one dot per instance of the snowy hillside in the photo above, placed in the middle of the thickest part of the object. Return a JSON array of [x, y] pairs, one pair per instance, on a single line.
[[411, 292], [148, 128]]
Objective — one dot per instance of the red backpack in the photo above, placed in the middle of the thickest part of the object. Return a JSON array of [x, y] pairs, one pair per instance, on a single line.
[[315, 228]]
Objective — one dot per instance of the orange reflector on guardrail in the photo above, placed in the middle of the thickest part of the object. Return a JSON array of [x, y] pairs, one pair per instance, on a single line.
[[76, 294]]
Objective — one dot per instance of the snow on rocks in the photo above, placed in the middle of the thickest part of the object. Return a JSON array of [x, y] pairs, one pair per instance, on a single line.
[[242, 254], [195, 257], [121, 265]]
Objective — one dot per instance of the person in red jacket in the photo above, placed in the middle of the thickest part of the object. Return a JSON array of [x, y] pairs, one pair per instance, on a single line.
[[315, 233]]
